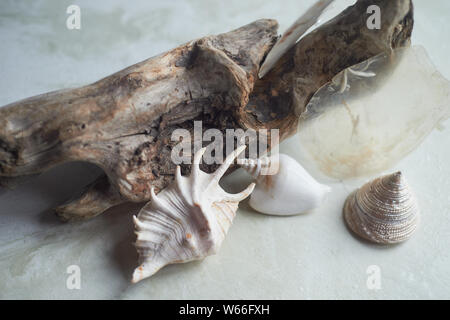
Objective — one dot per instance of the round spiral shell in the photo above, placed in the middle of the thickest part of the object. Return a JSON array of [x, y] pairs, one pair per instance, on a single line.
[[186, 221], [383, 211]]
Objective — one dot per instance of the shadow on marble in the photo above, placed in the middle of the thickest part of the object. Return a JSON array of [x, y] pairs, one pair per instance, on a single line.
[[35, 198]]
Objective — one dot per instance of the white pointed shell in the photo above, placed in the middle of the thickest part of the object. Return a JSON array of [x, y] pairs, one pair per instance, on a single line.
[[383, 211], [285, 188], [186, 221]]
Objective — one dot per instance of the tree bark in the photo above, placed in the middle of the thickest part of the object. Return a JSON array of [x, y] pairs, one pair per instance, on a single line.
[[123, 123]]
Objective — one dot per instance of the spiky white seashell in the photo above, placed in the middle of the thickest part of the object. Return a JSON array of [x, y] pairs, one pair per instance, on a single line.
[[349, 129], [383, 211], [283, 186], [186, 221]]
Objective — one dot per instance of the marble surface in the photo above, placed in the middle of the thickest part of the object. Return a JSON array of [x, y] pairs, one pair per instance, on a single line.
[[310, 256]]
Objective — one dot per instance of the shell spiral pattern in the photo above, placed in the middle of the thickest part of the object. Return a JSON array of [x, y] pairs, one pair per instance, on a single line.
[[383, 211], [186, 221]]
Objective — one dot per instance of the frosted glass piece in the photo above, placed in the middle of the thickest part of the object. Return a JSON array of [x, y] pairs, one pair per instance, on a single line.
[[373, 114]]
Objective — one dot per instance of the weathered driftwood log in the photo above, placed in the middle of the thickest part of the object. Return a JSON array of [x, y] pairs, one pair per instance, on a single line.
[[123, 123]]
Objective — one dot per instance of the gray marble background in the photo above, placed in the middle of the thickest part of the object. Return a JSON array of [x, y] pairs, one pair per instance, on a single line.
[[309, 256]]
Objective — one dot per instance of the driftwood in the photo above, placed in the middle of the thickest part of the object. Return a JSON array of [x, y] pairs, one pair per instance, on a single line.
[[123, 123]]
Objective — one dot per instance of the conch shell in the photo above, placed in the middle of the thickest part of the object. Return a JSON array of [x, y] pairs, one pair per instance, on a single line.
[[283, 186], [186, 221], [383, 211]]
